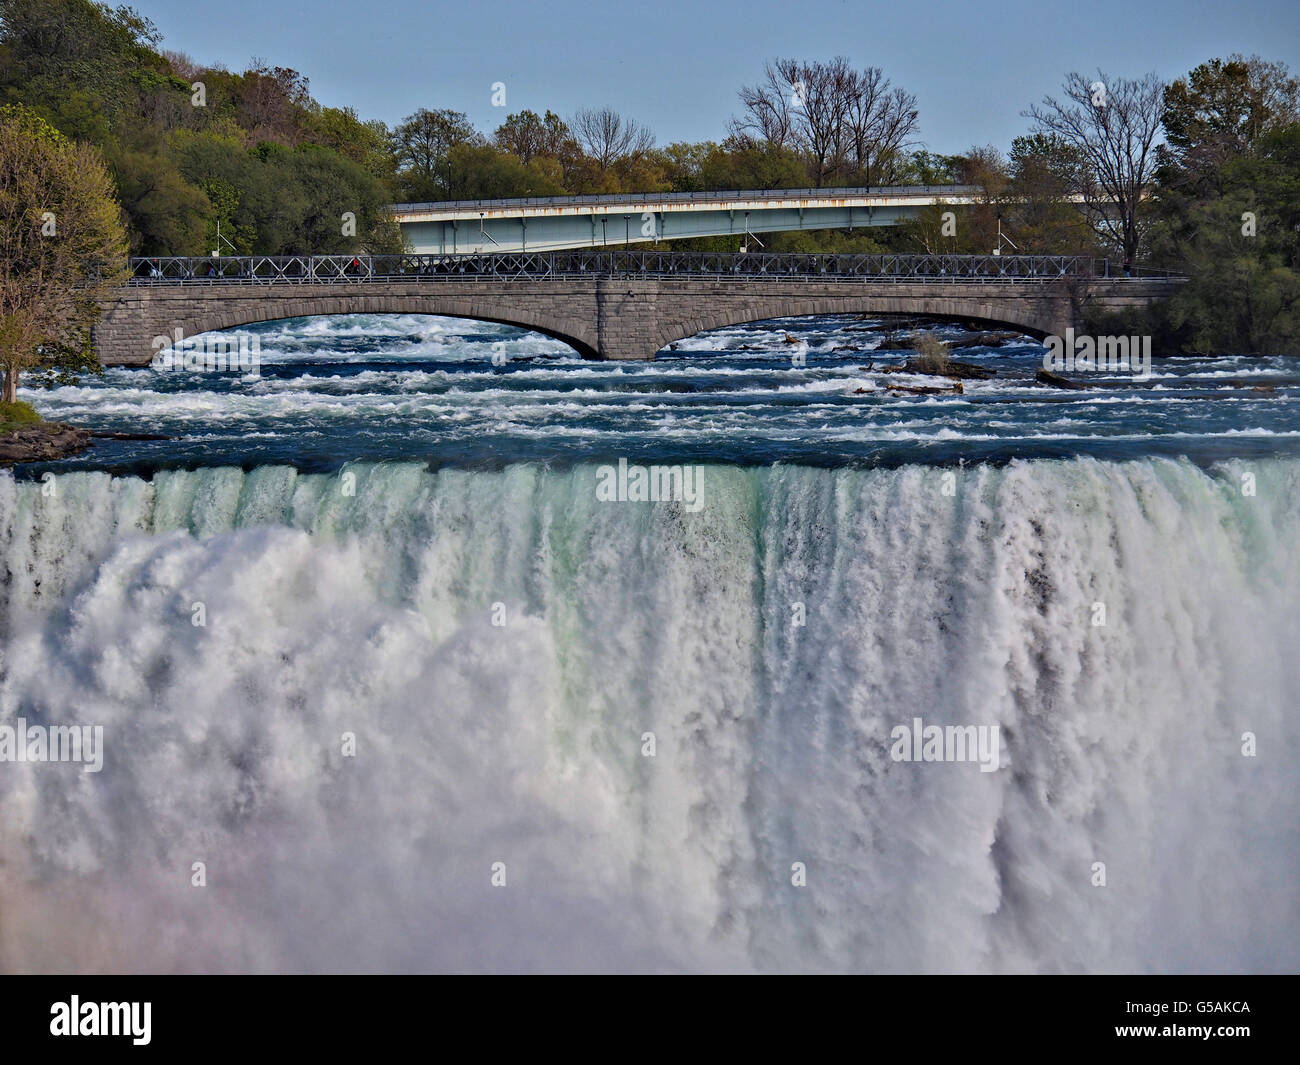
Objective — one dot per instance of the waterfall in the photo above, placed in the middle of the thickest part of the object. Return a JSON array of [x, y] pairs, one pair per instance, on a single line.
[[359, 699]]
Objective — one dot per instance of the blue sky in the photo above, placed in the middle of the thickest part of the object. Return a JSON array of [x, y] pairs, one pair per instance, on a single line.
[[676, 66]]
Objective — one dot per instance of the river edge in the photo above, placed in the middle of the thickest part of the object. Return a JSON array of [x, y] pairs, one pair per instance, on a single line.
[[51, 441], [43, 442]]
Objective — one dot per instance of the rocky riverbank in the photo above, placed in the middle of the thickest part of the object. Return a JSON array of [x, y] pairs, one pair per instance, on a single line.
[[42, 442]]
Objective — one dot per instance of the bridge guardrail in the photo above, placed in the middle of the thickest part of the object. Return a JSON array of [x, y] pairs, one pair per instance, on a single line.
[[361, 269], [736, 195]]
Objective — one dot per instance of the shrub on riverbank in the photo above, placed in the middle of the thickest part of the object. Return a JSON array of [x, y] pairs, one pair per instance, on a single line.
[[931, 355], [14, 415]]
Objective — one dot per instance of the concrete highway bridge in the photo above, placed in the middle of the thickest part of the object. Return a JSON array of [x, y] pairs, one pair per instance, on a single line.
[[555, 223], [608, 304]]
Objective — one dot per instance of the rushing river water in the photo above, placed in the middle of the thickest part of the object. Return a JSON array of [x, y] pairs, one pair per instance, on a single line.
[[382, 387], [634, 736]]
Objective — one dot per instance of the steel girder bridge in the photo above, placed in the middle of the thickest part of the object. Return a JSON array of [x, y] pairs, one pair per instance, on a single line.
[[610, 221]]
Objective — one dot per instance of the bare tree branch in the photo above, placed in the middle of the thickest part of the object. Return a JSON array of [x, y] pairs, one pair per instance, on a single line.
[[845, 122], [1114, 125], [607, 136]]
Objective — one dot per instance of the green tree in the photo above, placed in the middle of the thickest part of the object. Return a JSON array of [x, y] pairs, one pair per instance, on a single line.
[[1227, 207], [168, 214], [423, 144], [683, 162], [528, 135], [481, 172], [52, 47], [1044, 171], [326, 188], [963, 229], [924, 167], [745, 164], [364, 143], [1240, 249], [62, 248], [1218, 113]]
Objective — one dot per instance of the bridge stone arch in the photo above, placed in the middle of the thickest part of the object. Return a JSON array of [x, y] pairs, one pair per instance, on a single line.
[[605, 316], [126, 332], [501, 317], [1037, 315]]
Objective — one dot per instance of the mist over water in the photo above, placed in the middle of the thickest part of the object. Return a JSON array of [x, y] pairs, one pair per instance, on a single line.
[[373, 614], [387, 536]]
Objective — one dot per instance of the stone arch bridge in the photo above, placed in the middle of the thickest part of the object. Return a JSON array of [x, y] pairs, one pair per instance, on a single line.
[[608, 305]]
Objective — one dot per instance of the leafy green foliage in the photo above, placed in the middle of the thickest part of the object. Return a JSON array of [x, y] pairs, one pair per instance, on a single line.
[[204, 158], [189, 147], [62, 247], [16, 414], [1228, 208]]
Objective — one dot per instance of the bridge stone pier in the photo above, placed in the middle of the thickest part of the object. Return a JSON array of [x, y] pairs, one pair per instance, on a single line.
[[604, 316]]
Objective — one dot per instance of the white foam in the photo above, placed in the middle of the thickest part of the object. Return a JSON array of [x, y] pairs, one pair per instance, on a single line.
[[371, 613]]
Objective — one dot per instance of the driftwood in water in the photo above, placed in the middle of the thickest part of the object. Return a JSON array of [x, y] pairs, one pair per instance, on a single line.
[[907, 342], [955, 389], [952, 369], [1046, 377], [964, 370], [983, 340]]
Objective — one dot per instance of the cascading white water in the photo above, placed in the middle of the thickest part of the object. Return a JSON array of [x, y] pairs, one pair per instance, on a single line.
[[962, 601]]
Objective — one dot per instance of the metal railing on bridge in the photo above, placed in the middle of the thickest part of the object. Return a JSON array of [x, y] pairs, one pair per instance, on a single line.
[[362, 269], [624, 199]]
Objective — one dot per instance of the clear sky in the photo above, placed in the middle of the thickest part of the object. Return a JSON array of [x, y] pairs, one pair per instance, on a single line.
[[676, 65]]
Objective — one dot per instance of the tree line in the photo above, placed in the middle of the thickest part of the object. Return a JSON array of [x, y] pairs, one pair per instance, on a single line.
[[206, 158], [1198, 176]]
